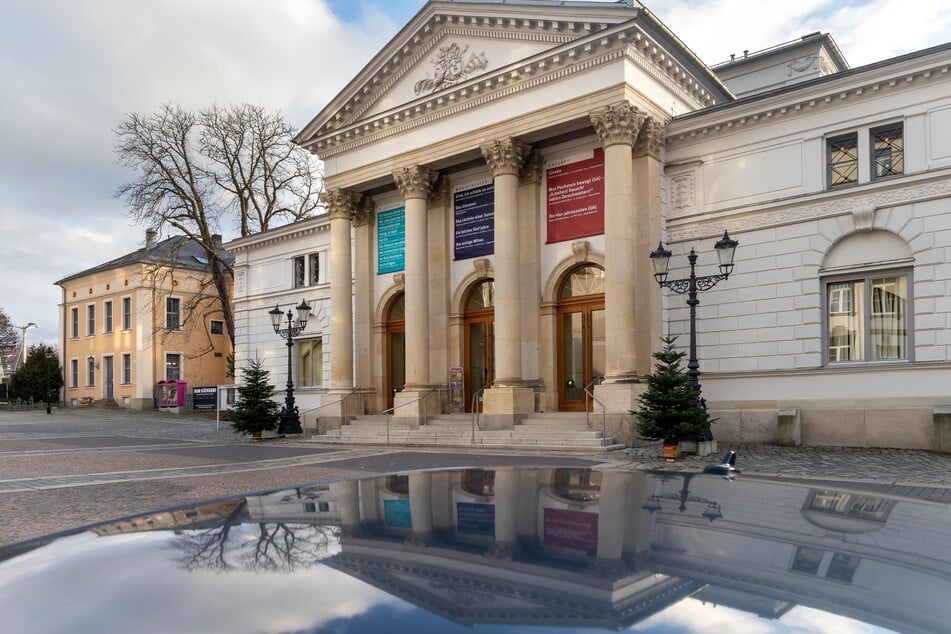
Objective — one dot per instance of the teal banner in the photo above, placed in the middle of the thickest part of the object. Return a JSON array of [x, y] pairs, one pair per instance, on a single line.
[[396, 514], [391, 240]]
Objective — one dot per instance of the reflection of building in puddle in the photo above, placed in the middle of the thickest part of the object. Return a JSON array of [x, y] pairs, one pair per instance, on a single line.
[[185, 517]]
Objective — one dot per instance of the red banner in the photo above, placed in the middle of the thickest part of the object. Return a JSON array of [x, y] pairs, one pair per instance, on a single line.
[[575, 196], [572, 529]]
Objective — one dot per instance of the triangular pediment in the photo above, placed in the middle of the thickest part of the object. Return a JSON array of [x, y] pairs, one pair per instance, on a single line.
[[452, 53]]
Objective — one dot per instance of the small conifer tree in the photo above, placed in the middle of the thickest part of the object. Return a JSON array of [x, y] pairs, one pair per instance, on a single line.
[[669, 408], [254, 410]]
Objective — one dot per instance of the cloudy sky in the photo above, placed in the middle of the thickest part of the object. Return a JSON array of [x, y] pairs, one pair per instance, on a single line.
[[72, 68]]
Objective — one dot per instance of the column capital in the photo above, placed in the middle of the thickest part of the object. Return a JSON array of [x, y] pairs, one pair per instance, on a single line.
[[415, 181], [341, 203], [365, 213], [531, 173], [618, 124], [441, 195], [505, 156], [651, 139]]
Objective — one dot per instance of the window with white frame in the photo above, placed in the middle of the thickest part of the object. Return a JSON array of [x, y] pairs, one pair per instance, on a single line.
[[90, 320], [126, 368], [173, 313], [867, 318], [306, 270], [173, 366], [313, 269], [310, 367], [90, 371], [127, 313], [107, 316], [74, 373], [880, 147], [74, 323]]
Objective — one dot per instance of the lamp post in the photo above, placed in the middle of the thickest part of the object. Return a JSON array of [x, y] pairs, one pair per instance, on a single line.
[[23, 330], [50, 355], [660, 259], [290, 420], [712, 512]]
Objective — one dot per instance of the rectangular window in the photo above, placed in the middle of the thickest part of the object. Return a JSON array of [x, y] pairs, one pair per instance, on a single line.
[[310, 367], [173, 367], [887, 151], [90, 320], [127, 313], [173, 317], [867, 319], [842, 567], [74, 323], [217, 327], [843, 159], [806, 560], [126, 368], [74, 373], [90, 371], [314, 269], [107, 316], [299, 271]]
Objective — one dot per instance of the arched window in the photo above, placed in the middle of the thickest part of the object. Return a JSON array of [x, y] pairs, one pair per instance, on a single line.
[[577, 484], [866, 282]]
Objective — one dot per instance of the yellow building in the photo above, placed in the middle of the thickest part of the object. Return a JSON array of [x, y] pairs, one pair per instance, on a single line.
[[151, 315]]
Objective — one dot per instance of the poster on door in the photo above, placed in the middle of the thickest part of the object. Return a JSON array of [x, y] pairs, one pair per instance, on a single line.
[[474, 221], [391, 240], [574, 195]]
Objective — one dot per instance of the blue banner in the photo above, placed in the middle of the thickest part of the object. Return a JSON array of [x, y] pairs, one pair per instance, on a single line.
[[391, 240], [474, 221], [396, 514], [476, 519]]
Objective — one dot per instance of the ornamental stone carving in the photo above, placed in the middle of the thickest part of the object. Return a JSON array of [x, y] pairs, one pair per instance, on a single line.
[[580, 249], [340, 203], [441, 196], [365, 213], [450, 67], [505, 156], [399, 280], [863, 214], [415, 182], [651, 139], [481, 266], [618, 124], [531, 173], [682, 191]]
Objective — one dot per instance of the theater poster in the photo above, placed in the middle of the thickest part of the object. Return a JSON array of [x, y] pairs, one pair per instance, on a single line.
[[571, 529], [391, 240], [474, 220], [575, 198]]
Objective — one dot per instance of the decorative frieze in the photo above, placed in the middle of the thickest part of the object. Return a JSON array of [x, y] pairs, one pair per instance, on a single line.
[[617, 124], [415, 181], [505, 156], [340, 203]]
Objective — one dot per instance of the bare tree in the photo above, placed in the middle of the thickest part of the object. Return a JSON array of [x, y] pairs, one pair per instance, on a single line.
[[9, 338], [198, 171]]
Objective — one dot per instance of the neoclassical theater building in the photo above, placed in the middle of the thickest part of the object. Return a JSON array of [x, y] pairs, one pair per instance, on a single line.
[[499, 173]]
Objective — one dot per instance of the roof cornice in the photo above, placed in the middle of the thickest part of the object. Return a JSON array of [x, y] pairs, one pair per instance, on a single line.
[[284, 233]]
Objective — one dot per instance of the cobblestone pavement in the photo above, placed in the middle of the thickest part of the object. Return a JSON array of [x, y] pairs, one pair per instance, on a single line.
[[75, 467]]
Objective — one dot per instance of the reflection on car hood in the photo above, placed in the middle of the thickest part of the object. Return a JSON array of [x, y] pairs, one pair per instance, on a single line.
[[500, 549]]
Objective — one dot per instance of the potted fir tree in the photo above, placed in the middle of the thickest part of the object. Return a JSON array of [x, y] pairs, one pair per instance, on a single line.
[[669, 408], [255, 412]]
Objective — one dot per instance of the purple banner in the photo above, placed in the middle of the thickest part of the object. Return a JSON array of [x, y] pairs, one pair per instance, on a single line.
[[474, 221], [571, 529]]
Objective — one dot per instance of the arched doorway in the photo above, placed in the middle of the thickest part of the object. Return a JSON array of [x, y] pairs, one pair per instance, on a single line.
[[395, 348], [479, 318], [580, 335]]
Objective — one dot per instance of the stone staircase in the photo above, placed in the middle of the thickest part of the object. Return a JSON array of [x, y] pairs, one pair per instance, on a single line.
[[558, 431]]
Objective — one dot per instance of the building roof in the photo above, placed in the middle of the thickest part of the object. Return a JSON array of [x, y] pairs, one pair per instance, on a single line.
[[178, 252]]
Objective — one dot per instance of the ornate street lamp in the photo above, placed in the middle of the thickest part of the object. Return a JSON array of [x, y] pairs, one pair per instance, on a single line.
[[290, 419], [660, 259], [712, 512]]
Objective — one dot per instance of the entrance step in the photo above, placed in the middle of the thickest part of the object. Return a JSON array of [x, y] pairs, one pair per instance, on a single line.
[[562, 431]]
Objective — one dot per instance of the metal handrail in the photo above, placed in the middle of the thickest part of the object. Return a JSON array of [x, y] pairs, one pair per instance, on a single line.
[[389, 412], [475, 411], [604, 410], [339, 400]]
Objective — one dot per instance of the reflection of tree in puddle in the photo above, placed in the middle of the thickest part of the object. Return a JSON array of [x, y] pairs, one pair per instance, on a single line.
[[236, 545]]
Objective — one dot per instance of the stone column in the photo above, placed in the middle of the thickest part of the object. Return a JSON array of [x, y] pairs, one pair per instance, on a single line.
[[348, 501], [648, 306], [421, 507], [341, 205], [506, 514], [415, 184], [612, 524], [364, 220], [508, 398]]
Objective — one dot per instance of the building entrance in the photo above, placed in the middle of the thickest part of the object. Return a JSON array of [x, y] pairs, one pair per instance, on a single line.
[[580, 336], [395, 348], [479, 320]]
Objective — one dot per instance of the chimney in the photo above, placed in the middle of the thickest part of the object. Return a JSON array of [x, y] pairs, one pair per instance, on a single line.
[[150, 238]]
